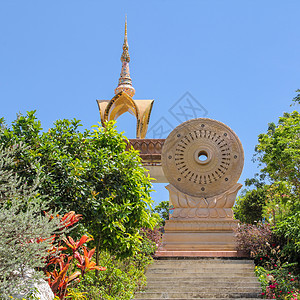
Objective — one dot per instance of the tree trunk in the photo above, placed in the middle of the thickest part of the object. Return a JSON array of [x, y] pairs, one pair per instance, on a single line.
[[97, 255]]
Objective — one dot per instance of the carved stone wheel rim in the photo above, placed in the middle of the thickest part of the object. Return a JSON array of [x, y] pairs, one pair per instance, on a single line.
[[202, 157]]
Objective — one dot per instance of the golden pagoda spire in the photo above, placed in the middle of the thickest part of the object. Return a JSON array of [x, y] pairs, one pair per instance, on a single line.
[[125, 55], [122, 102], [125, 82]]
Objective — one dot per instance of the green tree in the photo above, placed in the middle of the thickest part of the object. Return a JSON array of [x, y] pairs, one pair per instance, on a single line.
[[297, 97], [278, 152], [24, 230], [249, 206], [90, 172], [163, 210]]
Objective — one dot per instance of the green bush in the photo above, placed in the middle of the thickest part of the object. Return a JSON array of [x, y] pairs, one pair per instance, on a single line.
[[288, 231], [278, 283], [276, 272], [24, 230], [249, 206], [122, 278]]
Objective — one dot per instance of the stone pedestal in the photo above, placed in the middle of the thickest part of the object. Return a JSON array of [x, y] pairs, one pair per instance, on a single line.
[[199, 236], [201, 224]]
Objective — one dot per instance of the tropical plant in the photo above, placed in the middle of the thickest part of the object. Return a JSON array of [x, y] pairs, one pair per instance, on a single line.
[[279, 156], [296, 99], [62, 270]]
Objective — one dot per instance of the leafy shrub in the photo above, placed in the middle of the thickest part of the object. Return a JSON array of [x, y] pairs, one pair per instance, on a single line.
[[249, 206], [256, 239], [288, 231], [152, 237], [277, 275], [122, 278], [278, 283], [63, 270], [25, 232]]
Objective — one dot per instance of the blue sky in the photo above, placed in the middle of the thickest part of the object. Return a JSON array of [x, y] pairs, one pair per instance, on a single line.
[[239, 59]]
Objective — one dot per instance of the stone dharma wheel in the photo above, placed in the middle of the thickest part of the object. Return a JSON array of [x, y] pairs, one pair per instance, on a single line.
[[202, 158]]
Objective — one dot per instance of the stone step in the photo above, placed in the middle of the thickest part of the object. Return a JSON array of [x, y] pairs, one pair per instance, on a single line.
[[204, 266], [207, 259], [197, 265], [205, 284], [220, 261], [198, 269], [202, 280], [230, 264], [198, 274], [196, 298], [193, 295], [214, 290]]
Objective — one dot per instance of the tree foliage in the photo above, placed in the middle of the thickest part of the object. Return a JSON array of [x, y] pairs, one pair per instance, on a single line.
[[249, 206], [297, 97], [163, 210], [279, 153], [89, 172], [289, 230], [281, 142]]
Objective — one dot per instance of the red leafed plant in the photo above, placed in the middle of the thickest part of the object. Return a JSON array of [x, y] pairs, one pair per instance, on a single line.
[[70, 219], [85, 262], [62, 269], [76, 245]]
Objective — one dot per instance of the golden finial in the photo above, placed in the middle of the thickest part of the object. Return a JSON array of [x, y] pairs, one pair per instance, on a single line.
[[125, 83], [125, 37], [125, 55]]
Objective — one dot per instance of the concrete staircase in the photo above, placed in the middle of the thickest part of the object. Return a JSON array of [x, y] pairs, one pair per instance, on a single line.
[[201, 278]]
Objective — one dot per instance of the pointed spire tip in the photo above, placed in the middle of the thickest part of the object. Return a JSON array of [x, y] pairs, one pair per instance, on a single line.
[[125, 82]]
